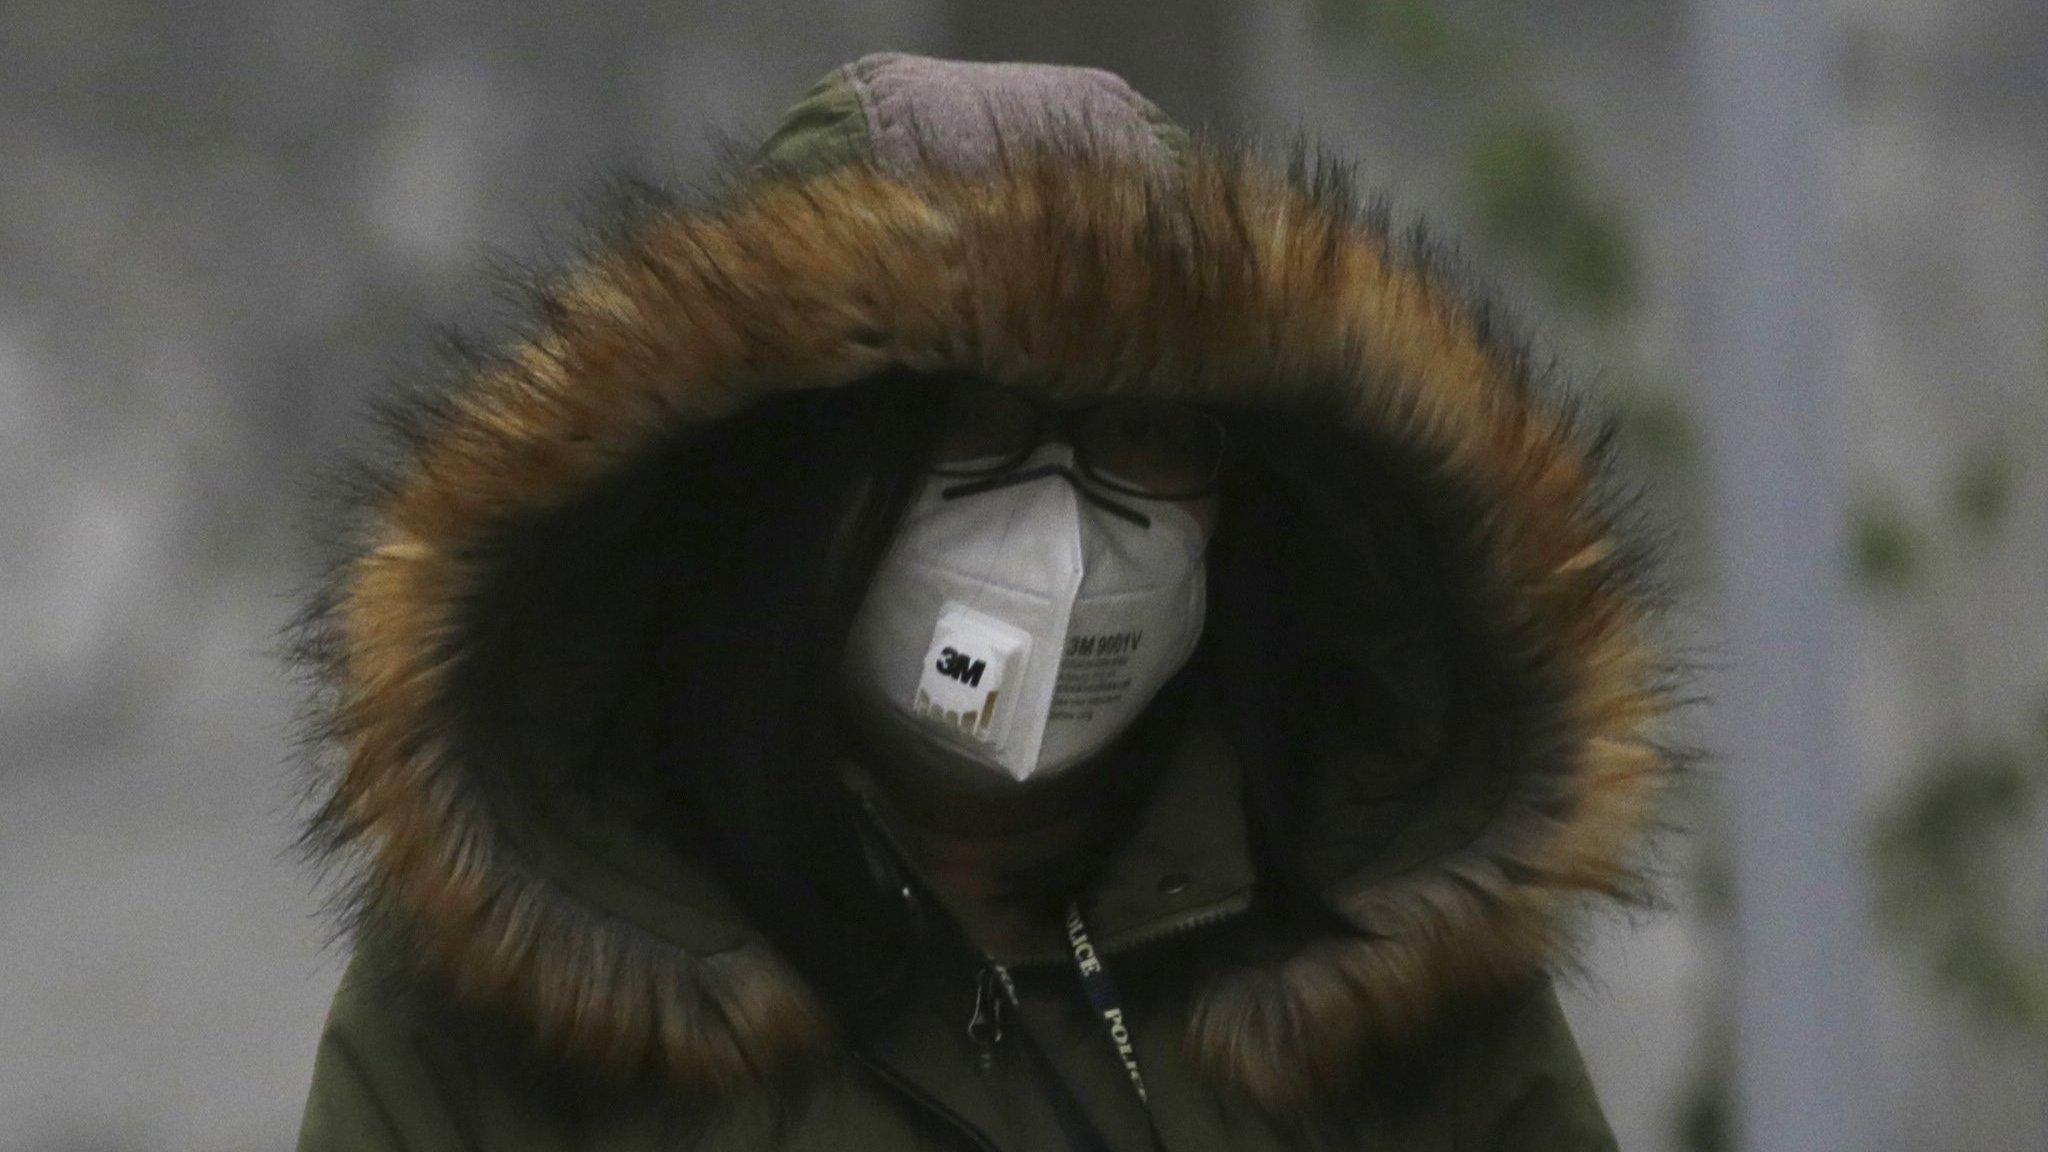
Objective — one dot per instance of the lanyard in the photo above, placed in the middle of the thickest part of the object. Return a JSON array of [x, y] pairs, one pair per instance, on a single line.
[[1102, 996]]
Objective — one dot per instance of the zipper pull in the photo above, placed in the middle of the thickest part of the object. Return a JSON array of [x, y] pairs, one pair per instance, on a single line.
[[985, 1027]]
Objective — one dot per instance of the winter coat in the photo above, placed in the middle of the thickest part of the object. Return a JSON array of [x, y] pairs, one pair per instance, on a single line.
[[1418, 736]]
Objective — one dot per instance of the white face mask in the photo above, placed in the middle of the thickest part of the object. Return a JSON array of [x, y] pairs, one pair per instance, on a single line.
[[1025, 627]]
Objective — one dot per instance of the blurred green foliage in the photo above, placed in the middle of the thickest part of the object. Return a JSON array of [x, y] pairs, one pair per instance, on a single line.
[[1887, 549], [1532, 196], [1982, 490], [1941, 852], [1416, 33], [1706, 1113], [1941, 855], [1525, 177], [1659, 423]]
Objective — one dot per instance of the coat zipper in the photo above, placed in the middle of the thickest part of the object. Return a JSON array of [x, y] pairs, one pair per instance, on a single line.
[[993, 987], [971, 1135], [985, 1026]]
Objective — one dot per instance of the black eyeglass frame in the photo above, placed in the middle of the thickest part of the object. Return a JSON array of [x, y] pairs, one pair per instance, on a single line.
[[1067, 420]]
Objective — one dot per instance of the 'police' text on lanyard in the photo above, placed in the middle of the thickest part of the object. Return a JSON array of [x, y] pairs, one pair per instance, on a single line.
[[1102, 996]]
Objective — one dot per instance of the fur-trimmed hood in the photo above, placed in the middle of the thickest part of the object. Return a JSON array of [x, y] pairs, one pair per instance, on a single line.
[[460, 782]]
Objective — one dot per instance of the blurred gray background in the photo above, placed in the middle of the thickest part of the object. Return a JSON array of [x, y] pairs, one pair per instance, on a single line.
[[1799, 244]]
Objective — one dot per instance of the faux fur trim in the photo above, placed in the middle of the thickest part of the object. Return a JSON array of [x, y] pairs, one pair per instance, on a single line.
[[1070, 272]]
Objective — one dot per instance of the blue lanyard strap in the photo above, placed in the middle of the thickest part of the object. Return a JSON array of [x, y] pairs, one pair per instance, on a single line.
[[1103, 997]]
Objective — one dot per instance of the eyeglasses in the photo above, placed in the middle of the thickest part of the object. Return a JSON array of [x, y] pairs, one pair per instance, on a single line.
[[1152, 448]]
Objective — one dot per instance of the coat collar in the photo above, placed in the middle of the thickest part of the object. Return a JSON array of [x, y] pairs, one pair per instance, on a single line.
[[1184, 862], [1188, 861]]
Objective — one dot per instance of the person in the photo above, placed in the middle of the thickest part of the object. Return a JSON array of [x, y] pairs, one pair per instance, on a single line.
[[1015, 626]]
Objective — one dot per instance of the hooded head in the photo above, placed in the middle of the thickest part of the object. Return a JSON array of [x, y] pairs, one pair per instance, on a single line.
[[577, 664]]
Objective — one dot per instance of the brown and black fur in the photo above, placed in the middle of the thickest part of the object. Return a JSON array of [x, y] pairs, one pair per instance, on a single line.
[[1274, 296]]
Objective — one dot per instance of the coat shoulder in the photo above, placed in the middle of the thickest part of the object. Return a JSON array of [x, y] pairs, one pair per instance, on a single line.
[[1521, 1079], [399, 1066], [375, 1087]]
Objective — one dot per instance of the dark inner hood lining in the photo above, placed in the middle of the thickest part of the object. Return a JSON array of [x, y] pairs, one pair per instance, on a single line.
[[1348, 629], [1420, 566]]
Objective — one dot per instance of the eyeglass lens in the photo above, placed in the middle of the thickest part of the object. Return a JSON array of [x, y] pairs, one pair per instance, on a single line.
[[1147, 446]]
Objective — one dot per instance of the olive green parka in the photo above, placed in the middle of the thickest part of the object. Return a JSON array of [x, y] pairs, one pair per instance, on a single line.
[[1381, 798]]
